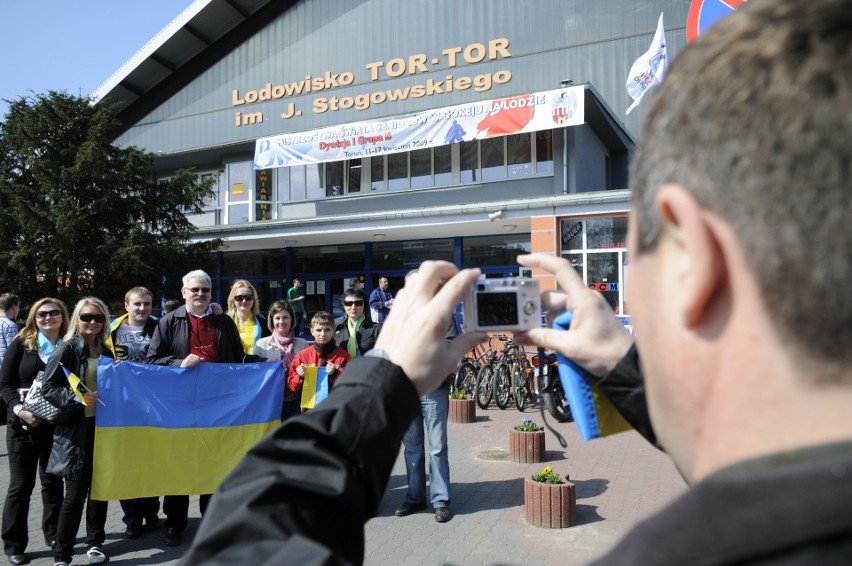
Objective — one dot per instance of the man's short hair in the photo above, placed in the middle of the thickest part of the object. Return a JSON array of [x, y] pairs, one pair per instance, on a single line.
[[8, 301], [141, 291], [754, 119], [356, 292], [322, 318], [197, 275]]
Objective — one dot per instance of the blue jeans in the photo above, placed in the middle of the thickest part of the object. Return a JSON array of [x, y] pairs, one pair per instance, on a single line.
[[434, 408]]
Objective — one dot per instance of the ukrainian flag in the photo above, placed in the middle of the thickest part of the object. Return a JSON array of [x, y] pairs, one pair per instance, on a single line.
[[179, 431], [594, 414]]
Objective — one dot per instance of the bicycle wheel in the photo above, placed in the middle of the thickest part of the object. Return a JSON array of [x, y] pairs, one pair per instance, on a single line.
[[466, 379], [502, 385], [519, 388], [484, 379]]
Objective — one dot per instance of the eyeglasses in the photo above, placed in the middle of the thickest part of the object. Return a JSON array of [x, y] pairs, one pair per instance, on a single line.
[[92, 317], [243, 298], [202, 290], [353, 303], [44, 314]]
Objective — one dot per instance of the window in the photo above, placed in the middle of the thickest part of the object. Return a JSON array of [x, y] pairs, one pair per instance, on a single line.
[[469, 162], [487, 251], [544, 152], [263, 194], [377, 173], [443, 165], [333, 180], [421, 168], [397, 171], [353, 183], [493, 159], [519, 156]]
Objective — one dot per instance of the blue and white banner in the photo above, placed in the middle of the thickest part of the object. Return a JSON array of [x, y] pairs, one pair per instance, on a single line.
[[454, 124], [649, 69]]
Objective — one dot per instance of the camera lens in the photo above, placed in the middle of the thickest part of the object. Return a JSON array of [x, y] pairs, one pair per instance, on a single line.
[[480, 287]]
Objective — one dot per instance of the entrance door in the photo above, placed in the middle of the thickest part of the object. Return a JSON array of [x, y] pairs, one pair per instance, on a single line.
[[325, 293]]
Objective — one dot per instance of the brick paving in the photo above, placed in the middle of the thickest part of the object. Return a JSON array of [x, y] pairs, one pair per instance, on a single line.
[[619, 480]]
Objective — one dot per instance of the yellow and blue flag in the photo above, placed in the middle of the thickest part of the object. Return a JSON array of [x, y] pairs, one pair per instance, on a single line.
[[77, 385], [179, 431], [315, 387], [593, 412]]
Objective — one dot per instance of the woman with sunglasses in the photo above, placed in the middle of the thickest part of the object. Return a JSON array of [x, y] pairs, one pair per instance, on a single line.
[[243, 308], [74, 436], [356, 324], [28, 438], [282, 345]]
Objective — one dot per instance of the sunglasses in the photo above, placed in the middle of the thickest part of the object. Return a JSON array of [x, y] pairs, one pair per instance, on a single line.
[[92, 317], [203, 290], [44, 314], [243, 298], [353, 303]]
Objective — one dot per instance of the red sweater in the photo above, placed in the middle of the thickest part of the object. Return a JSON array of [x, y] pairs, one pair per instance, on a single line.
[[312, 356]]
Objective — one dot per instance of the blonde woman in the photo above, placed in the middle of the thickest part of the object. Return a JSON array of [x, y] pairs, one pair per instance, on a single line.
[[28, 437], [244, 309], [74, 436]]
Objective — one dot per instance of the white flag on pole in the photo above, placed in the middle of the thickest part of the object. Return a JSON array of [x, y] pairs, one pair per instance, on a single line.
[[649, 69]]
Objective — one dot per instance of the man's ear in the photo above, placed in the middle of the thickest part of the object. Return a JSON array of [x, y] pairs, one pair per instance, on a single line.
[[699, 262]]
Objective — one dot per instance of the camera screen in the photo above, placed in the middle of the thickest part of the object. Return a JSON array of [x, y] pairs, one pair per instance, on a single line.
[[497, 309]]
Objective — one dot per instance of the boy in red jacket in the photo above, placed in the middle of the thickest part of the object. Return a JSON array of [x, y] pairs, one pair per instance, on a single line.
[[324, 352]]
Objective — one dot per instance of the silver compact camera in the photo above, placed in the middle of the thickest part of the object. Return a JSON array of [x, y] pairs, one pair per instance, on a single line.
[[512, 304]]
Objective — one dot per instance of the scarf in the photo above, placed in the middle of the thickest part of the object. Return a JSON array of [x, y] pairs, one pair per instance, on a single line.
[[45, 347], [353, 337], [286, 345]]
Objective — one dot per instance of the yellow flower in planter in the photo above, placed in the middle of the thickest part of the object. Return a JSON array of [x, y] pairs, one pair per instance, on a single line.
[[547, 475]]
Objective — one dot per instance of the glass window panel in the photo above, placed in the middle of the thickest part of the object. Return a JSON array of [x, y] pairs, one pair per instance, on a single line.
[[324, 259], [544, 152], [263, 185], [239, 264], [493, 159], [421, 168], [263, 211], [603, 276], [608, 232], [469, 162], [354, 170], [487, 251], [411, 253], [239, 181], [238, 213], [297, 183], [334, 179], [576, 262], [519, 155], [443, 165], [571, 234], [377, 173], [397, 171], [315, 188]]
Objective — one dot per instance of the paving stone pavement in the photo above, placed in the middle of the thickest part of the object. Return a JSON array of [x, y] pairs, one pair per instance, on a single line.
[[620, 480]]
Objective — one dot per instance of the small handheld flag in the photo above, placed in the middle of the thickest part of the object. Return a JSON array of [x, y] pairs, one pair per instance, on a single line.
[[315, 387], [593, 412], [78, 387]]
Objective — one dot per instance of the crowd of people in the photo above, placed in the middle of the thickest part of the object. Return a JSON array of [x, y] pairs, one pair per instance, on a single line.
[[51, 344]]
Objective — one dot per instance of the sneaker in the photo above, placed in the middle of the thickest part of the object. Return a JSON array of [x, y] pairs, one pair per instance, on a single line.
[[60, 564], [96, 555], [442, 514], [19, 559], [173, 537], [407, 508]]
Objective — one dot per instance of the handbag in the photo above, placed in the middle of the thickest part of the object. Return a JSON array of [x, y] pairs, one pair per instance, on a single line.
[[35, 402]]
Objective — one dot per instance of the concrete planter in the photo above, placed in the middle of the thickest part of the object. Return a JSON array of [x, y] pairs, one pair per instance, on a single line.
[[526, 447], [549, 505], [462, 410]]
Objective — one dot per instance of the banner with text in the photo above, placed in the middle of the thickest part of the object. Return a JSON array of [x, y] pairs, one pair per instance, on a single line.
[[454, 124]]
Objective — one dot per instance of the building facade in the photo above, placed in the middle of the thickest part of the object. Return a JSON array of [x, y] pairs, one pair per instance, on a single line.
[[342, 81]]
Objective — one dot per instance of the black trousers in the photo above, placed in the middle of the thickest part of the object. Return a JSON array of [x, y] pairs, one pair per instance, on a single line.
[[176, 508], [76, 493], [29, 451], [135, 510]]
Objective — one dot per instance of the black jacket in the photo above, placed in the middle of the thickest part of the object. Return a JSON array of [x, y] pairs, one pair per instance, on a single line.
[[303, 494], [19, 370], [365, 335], [69, 437], [170, 342]]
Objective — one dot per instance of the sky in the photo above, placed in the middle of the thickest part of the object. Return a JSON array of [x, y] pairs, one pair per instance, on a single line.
[[73, 45]]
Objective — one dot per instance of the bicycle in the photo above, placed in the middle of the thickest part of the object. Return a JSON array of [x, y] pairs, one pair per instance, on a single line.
[[468, 367], [522, 376], [485, 375], [513, 367]]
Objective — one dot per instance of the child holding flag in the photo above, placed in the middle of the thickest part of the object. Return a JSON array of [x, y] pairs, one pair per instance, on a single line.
[[314, 370], [71, 384]]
